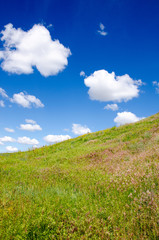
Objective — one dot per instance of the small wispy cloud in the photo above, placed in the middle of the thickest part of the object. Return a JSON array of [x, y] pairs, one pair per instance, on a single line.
[[66, 130], [2, 103], [30, 121], [156, 84], [82, 74], [113, 107], [9, 130], [50, 25], [3, 93], [101, 30]]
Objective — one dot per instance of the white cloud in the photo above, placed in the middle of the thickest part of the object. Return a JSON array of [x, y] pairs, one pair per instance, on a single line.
[[3, 93], [7, 139], [24, 50], [9, 130], [156, 84], [56, 138], [35, 146], [139, 82], [126, 117], [106, 86], [30, 127], [66, 130], [23, 99], [113, 107], [101, 31], [28, 141], [78, 129], [2, 103], [26, 101], [50, 26], [82, 74], [30, 121], [101, 26], [11, 149]]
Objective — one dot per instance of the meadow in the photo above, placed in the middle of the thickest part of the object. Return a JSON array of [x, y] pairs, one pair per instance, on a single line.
[[103, 185]]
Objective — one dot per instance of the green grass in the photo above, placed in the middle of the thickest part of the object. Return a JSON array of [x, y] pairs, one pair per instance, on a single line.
[[102, 185]]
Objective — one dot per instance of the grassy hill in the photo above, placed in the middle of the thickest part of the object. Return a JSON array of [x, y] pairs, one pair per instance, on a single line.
[[102, 185]]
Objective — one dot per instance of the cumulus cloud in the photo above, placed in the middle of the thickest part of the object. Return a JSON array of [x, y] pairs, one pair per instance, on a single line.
[[9, 130], [78, 129], [113, 107], [56, 138], [22, 98], [104, 86], [125, 118], [11, 149], [156, 84], [22, 140], [101, 30], [7, 139], [26, 100], [30, 127], [3, 93], [27, 141], [2, 103], [24, 50]]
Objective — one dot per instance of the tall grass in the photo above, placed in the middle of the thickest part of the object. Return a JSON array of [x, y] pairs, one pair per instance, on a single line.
[[102, 185]]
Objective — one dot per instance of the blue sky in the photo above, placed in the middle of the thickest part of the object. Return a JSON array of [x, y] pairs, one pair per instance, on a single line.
[[44, 47]]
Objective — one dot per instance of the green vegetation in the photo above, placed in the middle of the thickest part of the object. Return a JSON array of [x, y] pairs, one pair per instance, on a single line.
[[102, 185]]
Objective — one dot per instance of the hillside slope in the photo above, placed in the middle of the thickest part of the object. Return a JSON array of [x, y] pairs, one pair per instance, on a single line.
[[102, 185]]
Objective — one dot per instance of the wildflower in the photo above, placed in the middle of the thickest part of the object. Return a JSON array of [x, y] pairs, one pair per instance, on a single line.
[[148, 192], [130, 195]]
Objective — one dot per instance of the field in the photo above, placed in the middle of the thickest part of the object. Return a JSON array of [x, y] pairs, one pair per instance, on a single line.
[[103, 185]]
